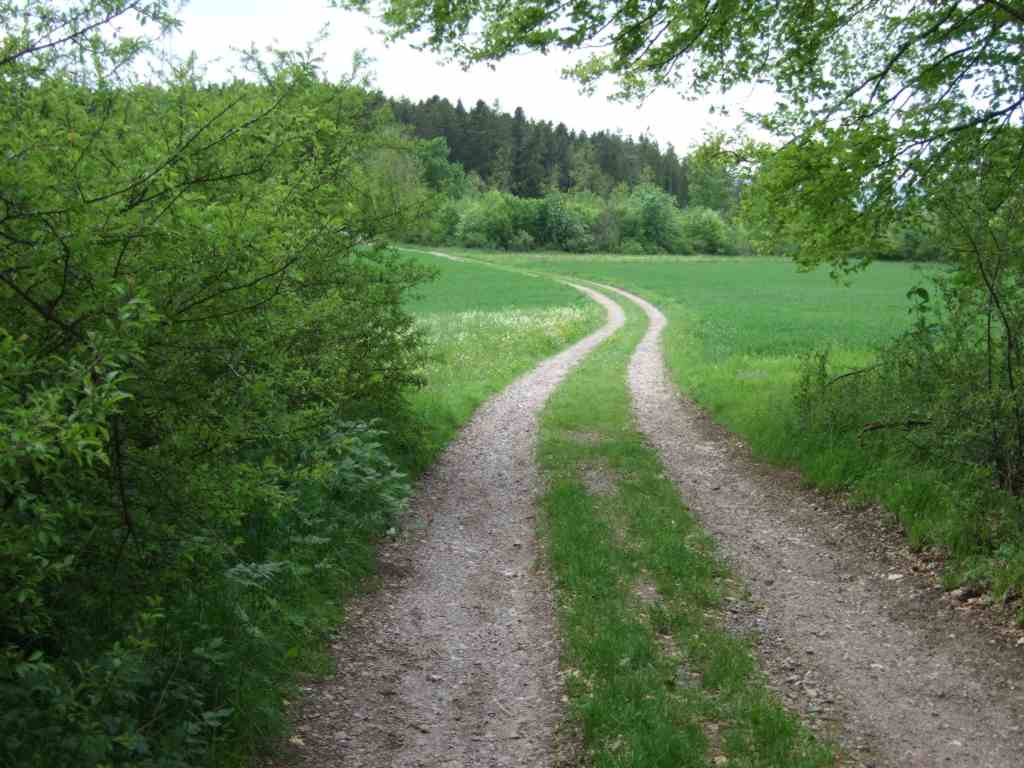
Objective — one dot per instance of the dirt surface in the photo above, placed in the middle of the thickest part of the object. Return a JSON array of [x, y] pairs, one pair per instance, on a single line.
[[448, 256], [599, 478], [454, 661], [852, 632]]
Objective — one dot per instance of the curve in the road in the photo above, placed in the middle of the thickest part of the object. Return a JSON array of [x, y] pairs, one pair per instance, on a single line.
[[454, 662]]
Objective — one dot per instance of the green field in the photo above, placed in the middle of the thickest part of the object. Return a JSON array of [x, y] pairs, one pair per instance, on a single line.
[[467, 286], [740, 333], [485, 327], [739, 328]]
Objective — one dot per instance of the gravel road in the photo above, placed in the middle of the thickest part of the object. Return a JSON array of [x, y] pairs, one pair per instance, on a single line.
[[454, 661], [849, 633]]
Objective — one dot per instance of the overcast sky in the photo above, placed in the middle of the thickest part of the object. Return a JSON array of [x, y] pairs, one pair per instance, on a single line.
[[532, 81]]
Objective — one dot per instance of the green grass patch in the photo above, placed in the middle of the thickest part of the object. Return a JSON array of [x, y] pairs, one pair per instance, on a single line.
[[468, 286], [485, 327], [653, 678]]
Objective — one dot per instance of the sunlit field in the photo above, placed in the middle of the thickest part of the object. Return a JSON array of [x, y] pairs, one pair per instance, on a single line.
[[485, 327], [740, 332]]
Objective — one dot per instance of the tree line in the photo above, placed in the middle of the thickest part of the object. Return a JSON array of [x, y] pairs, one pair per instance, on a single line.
[[608, 192], [515, 183], [511, 153]]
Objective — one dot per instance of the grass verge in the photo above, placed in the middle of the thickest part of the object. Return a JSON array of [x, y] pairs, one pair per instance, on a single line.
[[653, 678]]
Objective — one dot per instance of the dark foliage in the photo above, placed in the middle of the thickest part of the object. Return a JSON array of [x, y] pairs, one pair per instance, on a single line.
[[514, 154]]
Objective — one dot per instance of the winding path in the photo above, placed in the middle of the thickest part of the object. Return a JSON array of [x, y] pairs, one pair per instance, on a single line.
[[455, 661], [847, 634]]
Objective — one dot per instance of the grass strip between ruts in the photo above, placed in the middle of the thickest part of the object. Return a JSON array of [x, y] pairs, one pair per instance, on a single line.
[[653, 678]]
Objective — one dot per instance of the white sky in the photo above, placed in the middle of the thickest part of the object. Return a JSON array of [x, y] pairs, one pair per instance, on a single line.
[[532, 81]]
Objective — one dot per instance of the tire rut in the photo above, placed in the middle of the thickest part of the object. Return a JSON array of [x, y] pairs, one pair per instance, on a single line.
[[870, 657], [455, 660]]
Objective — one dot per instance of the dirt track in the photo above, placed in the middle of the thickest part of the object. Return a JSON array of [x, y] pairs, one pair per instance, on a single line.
[[454, 662], [845, 630]]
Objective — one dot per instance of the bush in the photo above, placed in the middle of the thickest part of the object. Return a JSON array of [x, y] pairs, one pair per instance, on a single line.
[[945, 402], [565, 224], [195, 333], [920, 242], [484, 221], [605, 229], [521, 241], [631, 247], [649, 217], [643, 220], [704, 231], [499, 220]]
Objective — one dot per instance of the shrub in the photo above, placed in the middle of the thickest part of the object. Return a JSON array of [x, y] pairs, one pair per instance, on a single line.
[[945, 401], [499, 220], [521, 241], [642, 220], [195, 332], [648, 216], [914, 242], [565, 225], [631, 247], [704, 231]]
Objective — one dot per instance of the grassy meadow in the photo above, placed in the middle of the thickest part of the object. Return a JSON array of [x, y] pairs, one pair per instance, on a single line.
[[485, 327], [742, 330]]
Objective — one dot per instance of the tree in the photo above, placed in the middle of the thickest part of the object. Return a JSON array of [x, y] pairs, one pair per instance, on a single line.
[[499, 169], [478, 137], [712, 176], [584, 173], [527, 156], [557, 161], [194, 316], [892, 98]]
